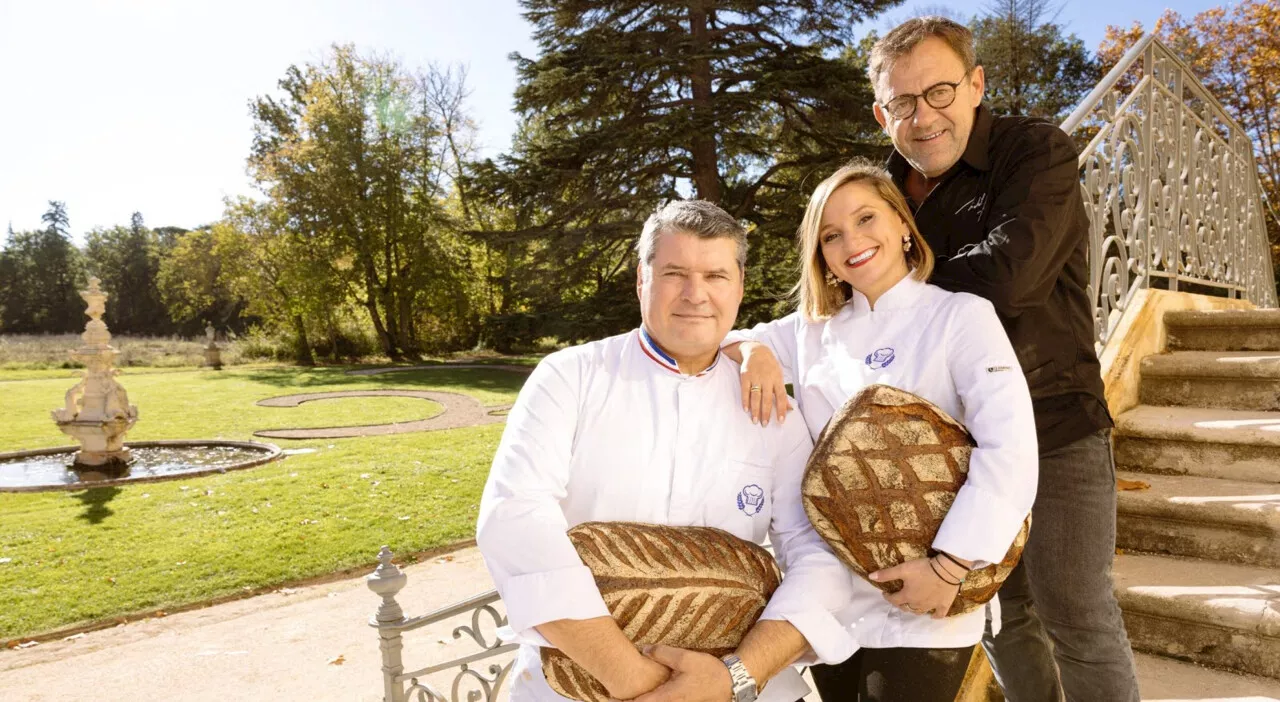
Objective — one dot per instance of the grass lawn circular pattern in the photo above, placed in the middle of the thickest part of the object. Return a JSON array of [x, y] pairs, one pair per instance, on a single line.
[[459, 411], [354, 411], [67, 558]]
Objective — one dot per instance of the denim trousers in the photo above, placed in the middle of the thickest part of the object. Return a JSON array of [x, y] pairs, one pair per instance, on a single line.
[[1061, 635]]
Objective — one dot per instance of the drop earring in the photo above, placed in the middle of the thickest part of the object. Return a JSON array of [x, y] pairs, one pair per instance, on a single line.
[[831, 278], [906, 243]]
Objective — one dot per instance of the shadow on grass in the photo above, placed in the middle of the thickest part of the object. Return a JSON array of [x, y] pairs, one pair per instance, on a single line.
[[95, 501]]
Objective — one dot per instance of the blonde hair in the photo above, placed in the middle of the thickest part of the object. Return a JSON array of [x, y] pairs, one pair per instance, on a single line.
[[907, 36], [816, 299]]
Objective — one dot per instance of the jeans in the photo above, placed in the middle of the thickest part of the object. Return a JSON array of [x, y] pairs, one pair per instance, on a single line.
[[1059, 604]]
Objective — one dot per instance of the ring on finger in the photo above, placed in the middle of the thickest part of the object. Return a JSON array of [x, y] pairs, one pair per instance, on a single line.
[[755, 388]]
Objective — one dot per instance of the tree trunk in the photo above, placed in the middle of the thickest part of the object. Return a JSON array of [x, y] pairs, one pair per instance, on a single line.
[[331, 329], [386, 301], [301, 346], [408, 337], [385, 339], [706, 168]]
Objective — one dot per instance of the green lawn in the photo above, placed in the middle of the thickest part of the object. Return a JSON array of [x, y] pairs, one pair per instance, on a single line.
[[102, 553]]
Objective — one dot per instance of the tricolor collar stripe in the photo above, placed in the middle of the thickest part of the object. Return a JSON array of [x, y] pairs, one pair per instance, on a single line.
[[660, 357]]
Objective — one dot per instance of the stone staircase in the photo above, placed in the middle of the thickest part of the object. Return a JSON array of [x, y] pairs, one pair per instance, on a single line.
[[1198, 574]]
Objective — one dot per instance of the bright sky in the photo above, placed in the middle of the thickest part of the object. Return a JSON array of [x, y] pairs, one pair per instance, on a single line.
[[116, 106]]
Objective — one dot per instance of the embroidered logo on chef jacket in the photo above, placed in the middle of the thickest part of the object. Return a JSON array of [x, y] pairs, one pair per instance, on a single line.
[[751, 500], [880, 358]]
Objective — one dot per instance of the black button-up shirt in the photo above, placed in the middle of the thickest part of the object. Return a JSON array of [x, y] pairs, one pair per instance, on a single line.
[[1007, 223]]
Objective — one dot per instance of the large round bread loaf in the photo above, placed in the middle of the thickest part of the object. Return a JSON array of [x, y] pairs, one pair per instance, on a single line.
[[880, 480], [692, 587]]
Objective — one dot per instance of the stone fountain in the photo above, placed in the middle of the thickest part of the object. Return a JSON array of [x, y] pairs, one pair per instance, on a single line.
[[96, 412]]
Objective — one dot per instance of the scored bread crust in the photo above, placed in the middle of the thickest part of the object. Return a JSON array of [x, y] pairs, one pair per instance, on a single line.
[[880, 480], [696, 588]]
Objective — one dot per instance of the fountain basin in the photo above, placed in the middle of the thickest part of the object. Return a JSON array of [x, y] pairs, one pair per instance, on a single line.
[[151, 461]]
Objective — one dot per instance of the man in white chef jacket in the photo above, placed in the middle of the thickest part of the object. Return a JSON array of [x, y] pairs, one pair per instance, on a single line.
[[638, 428]]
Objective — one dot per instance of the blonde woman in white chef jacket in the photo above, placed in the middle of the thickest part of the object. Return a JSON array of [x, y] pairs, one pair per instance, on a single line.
[[867, 315]]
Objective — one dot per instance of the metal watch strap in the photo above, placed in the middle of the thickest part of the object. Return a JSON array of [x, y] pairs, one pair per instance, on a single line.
[[744, 686]]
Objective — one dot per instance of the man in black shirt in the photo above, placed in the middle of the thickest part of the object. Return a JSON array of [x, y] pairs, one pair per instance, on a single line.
[[999, 201]]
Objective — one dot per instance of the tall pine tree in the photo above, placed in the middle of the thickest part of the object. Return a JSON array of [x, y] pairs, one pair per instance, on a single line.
[[127, 260], [40, 275], [1032, 68], [746, 104]]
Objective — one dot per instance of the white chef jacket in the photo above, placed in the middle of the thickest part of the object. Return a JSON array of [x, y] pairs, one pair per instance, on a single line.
[[613, 431], [950, 349]]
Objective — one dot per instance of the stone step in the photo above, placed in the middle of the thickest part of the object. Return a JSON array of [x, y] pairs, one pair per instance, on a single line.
[[1222, 520], [1218, 614], [1252, 330], [1212, 443], [1166, 680], [1241, 380]]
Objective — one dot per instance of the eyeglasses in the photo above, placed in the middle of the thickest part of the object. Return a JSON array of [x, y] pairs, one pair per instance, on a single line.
[[938, 95]]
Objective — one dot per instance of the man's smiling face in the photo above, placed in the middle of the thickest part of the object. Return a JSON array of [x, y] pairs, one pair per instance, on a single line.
[[933, 139], [689, 294]]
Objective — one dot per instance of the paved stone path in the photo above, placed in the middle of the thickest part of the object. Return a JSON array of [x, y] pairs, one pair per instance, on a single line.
[[284, 646], [459, 411]]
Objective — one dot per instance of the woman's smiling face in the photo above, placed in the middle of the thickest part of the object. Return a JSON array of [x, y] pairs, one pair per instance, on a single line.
[[861, 239]]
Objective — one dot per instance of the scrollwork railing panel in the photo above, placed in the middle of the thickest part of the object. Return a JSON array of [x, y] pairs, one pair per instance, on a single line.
[[486, 688], [1171, 188], [476, 673], [464, 676]]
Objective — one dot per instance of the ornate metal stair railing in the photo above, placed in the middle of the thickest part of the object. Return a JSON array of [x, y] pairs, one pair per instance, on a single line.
[[389, 620], [1171, 188]]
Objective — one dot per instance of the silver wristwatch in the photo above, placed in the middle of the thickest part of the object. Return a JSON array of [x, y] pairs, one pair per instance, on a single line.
[[744, 686]]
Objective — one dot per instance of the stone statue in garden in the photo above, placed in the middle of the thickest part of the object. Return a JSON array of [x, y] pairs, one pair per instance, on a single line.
[[212, 354]]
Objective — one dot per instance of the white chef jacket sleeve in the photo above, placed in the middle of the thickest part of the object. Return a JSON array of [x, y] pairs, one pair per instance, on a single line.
[[522, 530], [815, 584], [1004, 468], [780, 335]]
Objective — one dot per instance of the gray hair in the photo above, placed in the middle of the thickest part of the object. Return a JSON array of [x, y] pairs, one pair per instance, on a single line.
[[907, 36], [697, 217]]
